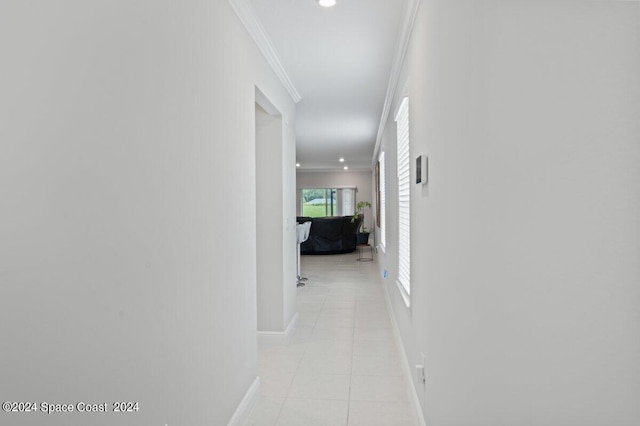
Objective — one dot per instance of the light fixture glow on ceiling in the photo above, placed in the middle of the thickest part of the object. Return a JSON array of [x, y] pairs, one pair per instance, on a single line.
[[327, 3], [297, 164], [346, 168], [341, 160]]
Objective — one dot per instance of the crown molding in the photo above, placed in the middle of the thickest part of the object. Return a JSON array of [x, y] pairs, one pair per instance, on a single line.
[[250, 20], [335, 170], [398, 60]]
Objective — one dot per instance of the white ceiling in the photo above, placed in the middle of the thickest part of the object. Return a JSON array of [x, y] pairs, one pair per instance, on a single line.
[[339, 59]]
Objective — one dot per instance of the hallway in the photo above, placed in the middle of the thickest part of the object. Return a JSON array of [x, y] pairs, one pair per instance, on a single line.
[[342, 366], [146, 202]]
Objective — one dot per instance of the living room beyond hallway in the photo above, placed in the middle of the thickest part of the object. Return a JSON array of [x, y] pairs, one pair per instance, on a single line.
[[342, 365]]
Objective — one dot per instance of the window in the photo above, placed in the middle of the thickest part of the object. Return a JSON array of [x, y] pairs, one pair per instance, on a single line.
[[321, 202], [383, 232], [404, 189]]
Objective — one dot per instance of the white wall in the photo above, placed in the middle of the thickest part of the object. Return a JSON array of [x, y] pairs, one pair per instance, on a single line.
[[268, 221], [290, 247], [338, 179], [525, 254], [127, 215], [276, 277]]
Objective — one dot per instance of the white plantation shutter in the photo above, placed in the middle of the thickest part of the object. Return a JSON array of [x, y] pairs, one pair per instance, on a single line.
[[404, 189], [383, 226]]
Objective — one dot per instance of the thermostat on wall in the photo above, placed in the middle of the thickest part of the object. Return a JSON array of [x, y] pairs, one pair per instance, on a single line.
[[422, 169]]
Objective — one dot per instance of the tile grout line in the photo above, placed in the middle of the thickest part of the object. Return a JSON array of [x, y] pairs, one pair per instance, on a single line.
[[353, 341], [356, 287], [295, 373]]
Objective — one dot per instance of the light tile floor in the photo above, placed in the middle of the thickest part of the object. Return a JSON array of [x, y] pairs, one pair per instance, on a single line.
[[342, 366]]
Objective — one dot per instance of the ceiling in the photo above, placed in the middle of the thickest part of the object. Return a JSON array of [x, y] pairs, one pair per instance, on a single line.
[[339, 59]]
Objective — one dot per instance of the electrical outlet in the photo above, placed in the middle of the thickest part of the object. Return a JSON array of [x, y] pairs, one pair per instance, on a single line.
[[421, 376], [420, 373]]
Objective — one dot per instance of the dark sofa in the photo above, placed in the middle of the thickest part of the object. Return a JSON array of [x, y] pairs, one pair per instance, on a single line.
[[330, 235]]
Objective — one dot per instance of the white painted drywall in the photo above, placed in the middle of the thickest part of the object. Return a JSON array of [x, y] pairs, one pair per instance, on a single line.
[[127, 214], [339, 179], [269, 224], [274, 280], [290, 247], [525, 243]]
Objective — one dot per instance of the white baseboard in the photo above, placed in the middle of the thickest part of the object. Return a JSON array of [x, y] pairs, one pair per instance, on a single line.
[[279, 337], [403, 360], [246, 405]]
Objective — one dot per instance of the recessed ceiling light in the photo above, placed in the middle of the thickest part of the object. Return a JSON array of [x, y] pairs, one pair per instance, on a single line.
[[341, 160], [346, 167], [327, 3], [297, 164]]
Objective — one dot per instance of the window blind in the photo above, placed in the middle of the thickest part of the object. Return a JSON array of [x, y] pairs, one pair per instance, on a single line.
[[404, 189]]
